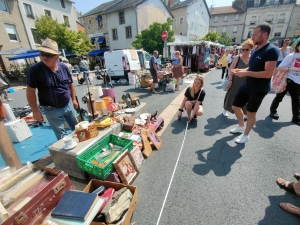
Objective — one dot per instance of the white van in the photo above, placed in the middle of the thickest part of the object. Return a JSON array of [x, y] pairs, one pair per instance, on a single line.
[[120, 62]]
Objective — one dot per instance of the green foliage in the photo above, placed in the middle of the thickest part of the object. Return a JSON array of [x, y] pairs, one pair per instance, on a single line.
[[211, 36], [74, 41], [225, 39], [150, 38]]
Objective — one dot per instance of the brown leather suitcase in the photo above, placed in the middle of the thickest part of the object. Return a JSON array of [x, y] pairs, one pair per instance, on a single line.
[[38, 202]]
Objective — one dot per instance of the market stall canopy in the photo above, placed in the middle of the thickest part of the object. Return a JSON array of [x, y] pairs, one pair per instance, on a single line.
[[96, 52], [192, 43], [17, 51], [4, 53], [67, 53], [29, 54], [101, 40]]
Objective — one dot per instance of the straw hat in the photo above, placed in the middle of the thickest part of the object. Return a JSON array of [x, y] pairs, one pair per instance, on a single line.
[[49, 46]]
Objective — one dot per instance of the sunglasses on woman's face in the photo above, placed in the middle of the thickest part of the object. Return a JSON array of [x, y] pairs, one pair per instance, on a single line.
[[47, 55], [245, 49]]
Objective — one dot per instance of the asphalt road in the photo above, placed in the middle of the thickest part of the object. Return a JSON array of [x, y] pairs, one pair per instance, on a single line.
[[216, 180]]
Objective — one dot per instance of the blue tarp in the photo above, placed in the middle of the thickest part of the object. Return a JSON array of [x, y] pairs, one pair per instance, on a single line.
[[25, 55], [96, 52], [101, 40], [67, 53]]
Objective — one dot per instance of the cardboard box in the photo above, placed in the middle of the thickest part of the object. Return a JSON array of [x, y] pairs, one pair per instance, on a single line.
[[94, 184]]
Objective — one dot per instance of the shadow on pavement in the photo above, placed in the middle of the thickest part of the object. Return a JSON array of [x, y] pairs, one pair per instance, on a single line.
[[219, 123], [178, 125], [220, 157], [267, 128], [275, 215]]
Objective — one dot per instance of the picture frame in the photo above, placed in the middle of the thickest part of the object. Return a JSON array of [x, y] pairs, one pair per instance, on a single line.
[[83, 135], [157, 142], [137, 156], [126, 167]]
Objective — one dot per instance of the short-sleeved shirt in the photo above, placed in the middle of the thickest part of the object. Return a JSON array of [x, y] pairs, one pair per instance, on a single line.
[[292, 61], [53, 88], [84, 64], [257, 63], [152, 60], [190, 98]]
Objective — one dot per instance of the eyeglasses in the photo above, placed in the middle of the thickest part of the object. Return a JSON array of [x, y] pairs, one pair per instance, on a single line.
[[245, 49], [47, 55]]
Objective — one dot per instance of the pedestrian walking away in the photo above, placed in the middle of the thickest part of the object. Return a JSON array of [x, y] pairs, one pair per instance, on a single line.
[[234, 82], [291, 65], [177, 68], [261, 66], [154, 71], [192, 101], [56, 92], [224, 61]]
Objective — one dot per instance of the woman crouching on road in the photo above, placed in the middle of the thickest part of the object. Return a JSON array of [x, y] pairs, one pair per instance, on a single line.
[[193, 98]]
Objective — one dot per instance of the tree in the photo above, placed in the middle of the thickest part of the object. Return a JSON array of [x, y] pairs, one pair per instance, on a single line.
[[225, 39], [211, 36], [150, 38], [73, 41]]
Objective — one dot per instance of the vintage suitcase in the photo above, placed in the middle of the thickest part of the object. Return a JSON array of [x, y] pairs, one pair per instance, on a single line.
[[37, 203]]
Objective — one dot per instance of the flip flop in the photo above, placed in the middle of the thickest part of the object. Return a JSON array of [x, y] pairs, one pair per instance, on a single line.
[[297, 176], [288, 188], [290, 208]]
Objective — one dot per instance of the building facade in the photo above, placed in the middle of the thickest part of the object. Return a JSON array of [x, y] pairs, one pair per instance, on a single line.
[[13, 34], [229, 19], [293, 31], [191, 19], [60, 10], [277, 16], [114, 24]]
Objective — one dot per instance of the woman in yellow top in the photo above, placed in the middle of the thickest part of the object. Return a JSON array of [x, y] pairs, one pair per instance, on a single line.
[[224, 61]]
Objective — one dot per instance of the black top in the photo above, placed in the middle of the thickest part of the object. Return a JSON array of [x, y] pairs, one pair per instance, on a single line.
[[190, 98], [257, 63], [53, 88]]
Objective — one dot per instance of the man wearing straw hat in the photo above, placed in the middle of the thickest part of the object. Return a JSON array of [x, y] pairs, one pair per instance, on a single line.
[[56, 92]]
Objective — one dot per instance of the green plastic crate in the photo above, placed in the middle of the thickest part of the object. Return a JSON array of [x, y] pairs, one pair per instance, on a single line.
[[85, 158]]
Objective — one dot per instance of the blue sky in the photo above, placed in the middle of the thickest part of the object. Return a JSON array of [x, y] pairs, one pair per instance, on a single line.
[[86, 5]]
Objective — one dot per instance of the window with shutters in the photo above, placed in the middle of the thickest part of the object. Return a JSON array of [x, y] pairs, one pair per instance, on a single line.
[[128, 32], [115, 34], [12, 32], [281, 18], [66, 20], [278, 31], [3, 6], [234, 30], [216, 19], [48, 12], [224, 29], [225, 18], [253, 20], [269, 19], [121, 17], [28, 11], [236, 17]]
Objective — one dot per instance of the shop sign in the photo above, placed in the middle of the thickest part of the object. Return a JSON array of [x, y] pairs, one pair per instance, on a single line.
[[96, 34]]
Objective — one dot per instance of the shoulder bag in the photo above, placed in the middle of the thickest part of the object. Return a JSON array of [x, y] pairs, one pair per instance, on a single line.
[[225, 82], [280, 80]]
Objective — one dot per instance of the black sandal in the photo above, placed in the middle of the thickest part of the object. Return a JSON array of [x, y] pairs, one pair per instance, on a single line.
[[288, 188], [297, 176]]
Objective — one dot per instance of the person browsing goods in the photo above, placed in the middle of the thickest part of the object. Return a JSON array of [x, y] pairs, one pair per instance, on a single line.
[[192, 101], [291, 65], [153, 71], [56, 92], [261, 66]]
